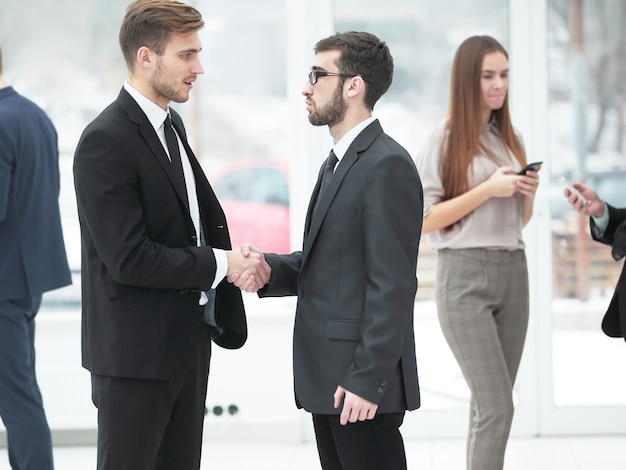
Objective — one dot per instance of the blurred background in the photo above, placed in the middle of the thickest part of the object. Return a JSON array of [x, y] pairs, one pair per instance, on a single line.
[[247, 123]]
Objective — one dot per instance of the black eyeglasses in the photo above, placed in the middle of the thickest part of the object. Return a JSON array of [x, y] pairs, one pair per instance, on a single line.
[[314, 75]]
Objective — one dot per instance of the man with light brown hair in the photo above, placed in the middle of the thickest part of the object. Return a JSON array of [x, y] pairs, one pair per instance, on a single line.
[[155, 253]]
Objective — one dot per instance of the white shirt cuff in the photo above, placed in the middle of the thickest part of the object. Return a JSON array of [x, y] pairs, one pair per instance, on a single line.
[[602, 222], [221, 263]]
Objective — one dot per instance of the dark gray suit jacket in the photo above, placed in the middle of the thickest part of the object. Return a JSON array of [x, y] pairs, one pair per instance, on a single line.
[[142, 272], [356, 281]]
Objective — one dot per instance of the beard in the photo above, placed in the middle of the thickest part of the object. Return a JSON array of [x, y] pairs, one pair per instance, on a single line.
[[332, 113], [166, 87]]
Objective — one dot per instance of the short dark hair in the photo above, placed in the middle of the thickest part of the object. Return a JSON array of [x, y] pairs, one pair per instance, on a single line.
[[362, 54], [150, 22]]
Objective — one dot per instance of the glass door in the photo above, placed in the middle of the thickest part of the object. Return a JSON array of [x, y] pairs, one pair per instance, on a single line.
[[586, 129]]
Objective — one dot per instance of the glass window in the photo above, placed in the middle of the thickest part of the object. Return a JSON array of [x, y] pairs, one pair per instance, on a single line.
[[586, 139], [241, 114], [235, 117]]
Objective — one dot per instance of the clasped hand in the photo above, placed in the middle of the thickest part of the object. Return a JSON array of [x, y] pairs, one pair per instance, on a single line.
[[247, 268]]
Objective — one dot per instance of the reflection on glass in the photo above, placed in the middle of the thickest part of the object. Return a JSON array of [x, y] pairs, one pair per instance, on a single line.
[[255, 197], [242, 119]]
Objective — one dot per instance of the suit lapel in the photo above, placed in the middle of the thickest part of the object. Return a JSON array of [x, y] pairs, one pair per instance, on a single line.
[[315, 219], [147, 132], [212, 215], [309, 212]]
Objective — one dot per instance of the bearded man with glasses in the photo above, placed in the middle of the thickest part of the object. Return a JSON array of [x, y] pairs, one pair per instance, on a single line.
[[354, 349]]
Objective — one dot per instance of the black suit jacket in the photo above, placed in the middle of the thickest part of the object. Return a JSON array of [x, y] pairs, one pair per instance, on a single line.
[[142, 272], [614, 321], [356, 281]]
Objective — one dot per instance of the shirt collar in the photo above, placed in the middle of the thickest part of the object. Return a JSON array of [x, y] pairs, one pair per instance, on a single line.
[[344, 143], [155, 114]]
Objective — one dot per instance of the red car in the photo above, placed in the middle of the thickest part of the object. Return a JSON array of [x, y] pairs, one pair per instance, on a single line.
[[255, 198]]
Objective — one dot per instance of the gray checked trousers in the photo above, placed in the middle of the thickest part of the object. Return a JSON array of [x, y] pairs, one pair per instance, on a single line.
[[482, 304]]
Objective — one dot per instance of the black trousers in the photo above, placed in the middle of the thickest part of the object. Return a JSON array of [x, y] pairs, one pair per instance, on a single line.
[[146, 424], [365, 445]]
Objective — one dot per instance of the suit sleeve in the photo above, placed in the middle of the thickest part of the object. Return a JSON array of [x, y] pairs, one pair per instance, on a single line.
[[285, 273], [615, 233], [393, 212]]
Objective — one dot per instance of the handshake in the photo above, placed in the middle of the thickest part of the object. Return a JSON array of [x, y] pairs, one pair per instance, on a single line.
[[247, 268]]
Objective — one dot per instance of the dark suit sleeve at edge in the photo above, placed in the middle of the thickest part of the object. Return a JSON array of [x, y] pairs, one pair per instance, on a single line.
[[615, 233]]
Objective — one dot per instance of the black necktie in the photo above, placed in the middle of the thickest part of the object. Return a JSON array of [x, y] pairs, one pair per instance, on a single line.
[[329, 169], [172, 148]]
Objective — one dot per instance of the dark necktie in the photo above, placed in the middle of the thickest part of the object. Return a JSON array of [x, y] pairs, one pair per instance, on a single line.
[[329, 168], [173, 150]]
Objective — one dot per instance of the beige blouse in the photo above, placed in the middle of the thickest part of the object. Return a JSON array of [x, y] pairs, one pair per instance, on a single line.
[[497, 223]]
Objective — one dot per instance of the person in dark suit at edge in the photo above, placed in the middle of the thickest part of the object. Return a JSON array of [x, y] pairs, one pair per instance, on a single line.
[[608, 226], [155, 251], [354, 349], [32, 261]]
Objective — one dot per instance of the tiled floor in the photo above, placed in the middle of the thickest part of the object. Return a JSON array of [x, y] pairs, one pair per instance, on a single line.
[[549, 453]]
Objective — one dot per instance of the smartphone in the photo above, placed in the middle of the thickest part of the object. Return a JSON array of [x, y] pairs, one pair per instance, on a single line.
[[573, 190], [531, 166]]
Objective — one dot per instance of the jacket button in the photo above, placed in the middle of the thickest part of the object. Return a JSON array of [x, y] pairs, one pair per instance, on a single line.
[[379, 390]]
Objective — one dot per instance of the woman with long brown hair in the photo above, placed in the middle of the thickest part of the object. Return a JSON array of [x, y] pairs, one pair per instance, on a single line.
[[475, 205]]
